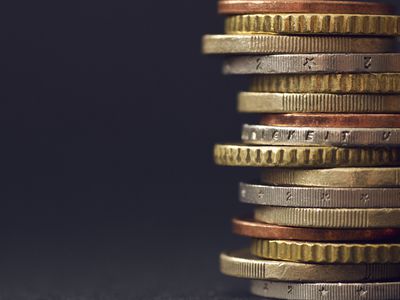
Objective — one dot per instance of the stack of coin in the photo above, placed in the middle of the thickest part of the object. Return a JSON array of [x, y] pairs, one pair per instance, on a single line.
[[326, 85]]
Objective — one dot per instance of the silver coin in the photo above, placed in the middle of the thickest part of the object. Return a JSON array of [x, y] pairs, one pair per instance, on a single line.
[[313, 63], [289, 196], [326, 291], [330, 103], [319, 136]]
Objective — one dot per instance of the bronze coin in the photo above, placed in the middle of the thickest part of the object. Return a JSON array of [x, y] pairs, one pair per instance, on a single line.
[[303, 6], [254, 229], [332, 120]]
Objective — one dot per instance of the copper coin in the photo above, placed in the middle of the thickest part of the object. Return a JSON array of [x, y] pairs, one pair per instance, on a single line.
[[254, 229], [332, 120], [303, 6]]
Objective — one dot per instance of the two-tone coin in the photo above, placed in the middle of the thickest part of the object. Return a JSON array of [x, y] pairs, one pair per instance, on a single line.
[[329, 291]]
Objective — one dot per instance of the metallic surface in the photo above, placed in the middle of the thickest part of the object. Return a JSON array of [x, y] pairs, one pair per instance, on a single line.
[[317, 103], [332, 120], [330, 197], [326, 291], [313, 63], [283, 156], [320, 136], [236, 7], [329, 217], [381, 83], [326, 253], [340, 24], [337, 177], [242, 264], [263, 44], [254, 229]]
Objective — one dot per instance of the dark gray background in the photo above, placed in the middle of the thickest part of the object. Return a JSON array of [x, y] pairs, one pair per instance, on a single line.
[[108, 116]]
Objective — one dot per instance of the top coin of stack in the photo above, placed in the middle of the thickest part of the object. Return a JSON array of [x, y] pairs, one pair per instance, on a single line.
[[326, 82]]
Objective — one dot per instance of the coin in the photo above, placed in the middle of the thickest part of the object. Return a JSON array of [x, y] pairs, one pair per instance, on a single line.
[[328, 291], [337, 177], [329, 197], [333, 120], [302, 6], [242, 264], [313, 63], [254, 229], [236, 44], [382, 83], [329, 217], [326, 253], [312, 156], [325, 24], [317, 103], [320, 136]]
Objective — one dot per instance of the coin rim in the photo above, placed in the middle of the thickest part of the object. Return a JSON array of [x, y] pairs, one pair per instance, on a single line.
[[325, 252], [314, 197], [252, 102], [341, 7], [241, 264], [253, 229]]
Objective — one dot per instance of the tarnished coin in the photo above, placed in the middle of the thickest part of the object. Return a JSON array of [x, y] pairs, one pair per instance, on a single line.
[[313, 63], [325, 24], [242, 264], [326, 253], [332, 120], [317, 103], [323, 197], [304, 156], [320, 136], [236, 7], [254, 229], [328, 291], [381, 83], [329, 217], [335, 177], [259, 44]]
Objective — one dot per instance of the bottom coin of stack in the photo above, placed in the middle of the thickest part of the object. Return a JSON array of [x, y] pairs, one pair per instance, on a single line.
[[333, 237]]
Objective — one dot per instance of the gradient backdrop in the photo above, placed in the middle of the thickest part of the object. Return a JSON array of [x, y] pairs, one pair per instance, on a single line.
[[108, 117]]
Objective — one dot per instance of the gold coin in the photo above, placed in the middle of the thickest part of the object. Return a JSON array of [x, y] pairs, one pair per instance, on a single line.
[[330, 253], [274, 44], [337, 177], [340, 24], [304, 156], [329, 218], [328, 83], [318, 103], [242, 264]]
